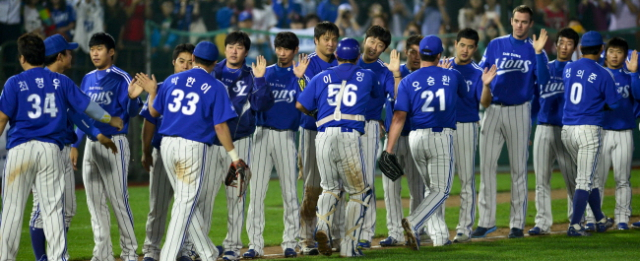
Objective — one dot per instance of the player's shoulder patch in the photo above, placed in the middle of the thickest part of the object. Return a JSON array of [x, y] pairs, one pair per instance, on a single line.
[[311, 55]]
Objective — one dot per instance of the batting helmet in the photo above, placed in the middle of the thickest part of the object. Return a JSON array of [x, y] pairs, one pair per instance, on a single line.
[[348, 49]]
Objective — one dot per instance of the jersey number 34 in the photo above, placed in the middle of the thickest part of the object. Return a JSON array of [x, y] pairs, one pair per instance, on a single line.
[[49, 105]]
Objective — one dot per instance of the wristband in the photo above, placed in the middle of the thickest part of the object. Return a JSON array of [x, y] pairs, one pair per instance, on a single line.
[[234, 155], [106, 118]]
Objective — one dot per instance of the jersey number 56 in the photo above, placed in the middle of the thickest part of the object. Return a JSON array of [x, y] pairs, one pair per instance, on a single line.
[[349, 97]]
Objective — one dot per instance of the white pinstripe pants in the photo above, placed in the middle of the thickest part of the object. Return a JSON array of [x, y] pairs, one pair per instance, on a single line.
[[465, 143], [617, 151], [186, 164], [434, 158], [370, 144], [30, 164], [105, 173], [273, 148], [392, 189], [584, 144], [513, 125], [69, 193], [547, 149], [160, 195]]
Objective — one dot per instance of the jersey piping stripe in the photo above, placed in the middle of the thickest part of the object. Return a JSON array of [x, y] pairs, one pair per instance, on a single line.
[[123, 74], [125, 195]]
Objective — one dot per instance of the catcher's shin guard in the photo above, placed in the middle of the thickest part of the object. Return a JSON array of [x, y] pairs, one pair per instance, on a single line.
[[356, 209]]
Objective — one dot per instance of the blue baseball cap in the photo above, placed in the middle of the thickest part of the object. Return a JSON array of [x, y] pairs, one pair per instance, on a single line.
[[591, 38], [348, 49], [431, 45], [56, 43], [245, 15], [206, 50]]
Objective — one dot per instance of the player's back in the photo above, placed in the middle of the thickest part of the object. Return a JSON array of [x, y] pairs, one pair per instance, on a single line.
[[191, 103], [41, 101], [429, 96], [590, 87], [385, 77], [356, 95], [316, 66], [622, 117]]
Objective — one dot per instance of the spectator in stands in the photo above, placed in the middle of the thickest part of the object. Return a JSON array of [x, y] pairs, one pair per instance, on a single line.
[[346, 22], [210, 9], [379, 20], [10, 28], [594, 14], [400, 16], [90, 20], [311, 20], [32, 20], [186, 11], [624, 14], [297, 22], [284, 10], [264, 18], [224, 16], [64, 17], [161, 37], [493, 8], [137, 12], [308, 6], [375, 10], [328, 9], [555, 15], [471, 16], [114, 20], [411, 29], [362, 17], [432, 16], [245, 21]]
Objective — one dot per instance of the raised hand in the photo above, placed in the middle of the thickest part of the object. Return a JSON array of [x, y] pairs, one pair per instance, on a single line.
[[117, 123], [135, 89], [149, 84], [259, 67], [489, 74], [107, 143], [301, 67], [445, 63], [632, 63], [394, 62], [539, 43]]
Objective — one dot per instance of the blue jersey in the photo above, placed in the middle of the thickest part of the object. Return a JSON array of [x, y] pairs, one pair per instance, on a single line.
[[385, 78], [110, 89], [623, 116], [516, 62], [322, 91], [192, 103], [429, 96], [36, 102], [388, 105], [63, 17], [467, 107], [316, 65], [591, 86], [284, 86], [550, 93], [157, 138]]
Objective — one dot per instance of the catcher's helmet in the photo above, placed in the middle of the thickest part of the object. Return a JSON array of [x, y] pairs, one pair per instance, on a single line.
[[348, 49]]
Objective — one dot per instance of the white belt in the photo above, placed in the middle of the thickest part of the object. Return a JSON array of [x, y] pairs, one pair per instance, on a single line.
[[337, 115]]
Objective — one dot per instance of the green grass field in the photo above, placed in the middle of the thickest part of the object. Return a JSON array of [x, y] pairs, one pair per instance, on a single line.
[[618, 245]]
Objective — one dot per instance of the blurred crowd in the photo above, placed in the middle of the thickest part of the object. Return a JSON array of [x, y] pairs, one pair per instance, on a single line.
[[76, 20]]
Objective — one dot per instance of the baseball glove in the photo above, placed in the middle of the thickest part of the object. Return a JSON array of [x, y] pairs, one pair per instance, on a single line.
[[238, 175], [389, 165]]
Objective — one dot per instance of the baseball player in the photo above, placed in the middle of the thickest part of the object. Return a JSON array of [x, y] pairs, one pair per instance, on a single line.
[[466, 135], [189, 102], [392, 189], [325, 37], [249, 94], [428, 97], [341, 94], [508, 118], [104, 173], [160, 190], [591, 91], [376, 41], [275, 146], [547, 143], [35, 102], [617, 137], [58, 59]]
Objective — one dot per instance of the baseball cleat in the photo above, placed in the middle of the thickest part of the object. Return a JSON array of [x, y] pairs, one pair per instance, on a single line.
[[230, 255], [323, 243], [590, 227], [310, 251], [250, 254], [573, 232], [148, 259], [335, 244], [390, 241], [184, 258], [448, 243], [290, 252], [364, 244], [623, 226], [481, 232], [195, 257], [220, 250], [604, 224], [635, 225], [413, 240], [536, 231], [461, 238], [516, 233]]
